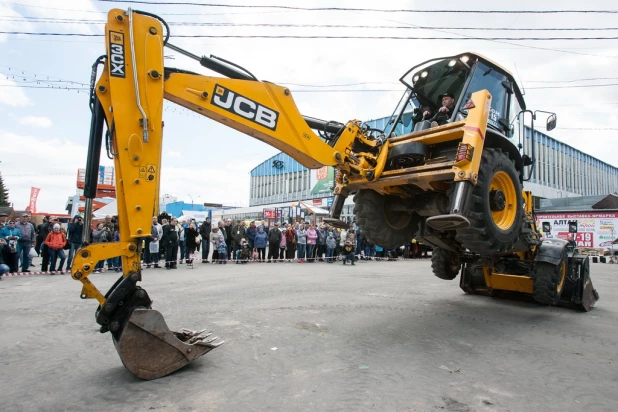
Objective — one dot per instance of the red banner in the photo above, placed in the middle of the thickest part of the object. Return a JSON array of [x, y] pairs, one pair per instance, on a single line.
[[34, 194]]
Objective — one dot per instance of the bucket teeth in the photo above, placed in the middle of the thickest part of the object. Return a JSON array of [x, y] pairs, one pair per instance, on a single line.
[[149, 349]]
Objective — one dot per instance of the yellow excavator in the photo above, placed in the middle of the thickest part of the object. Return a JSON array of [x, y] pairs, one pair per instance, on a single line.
[[447, 169]]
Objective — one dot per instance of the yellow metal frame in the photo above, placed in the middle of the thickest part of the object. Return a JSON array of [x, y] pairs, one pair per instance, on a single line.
[[137, 160]]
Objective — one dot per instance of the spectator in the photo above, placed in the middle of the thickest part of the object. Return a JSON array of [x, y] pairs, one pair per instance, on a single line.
[[3, 220], [244, 253], [250, 233], [379, 252], [238, 233], [117, 261], [369, 250], [156, 232], [75, 233], [301, 239], [228, 237], [331, 244], [4, 268], [348, 252], [182, 240], [192, 242], [109, 224], [312, 238], [205, 231], [40, 239], [170, 243], [282, 244], [215, 239], [44, 230], [148, 240], [55, 241], [360, 242], [274, 240], [290, 243], [99, 235], [26, 241], [222, 246], [10, 235], [321, 246], [260, 242]]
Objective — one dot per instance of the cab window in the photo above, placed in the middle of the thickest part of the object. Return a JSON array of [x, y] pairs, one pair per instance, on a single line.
[[487, 78]]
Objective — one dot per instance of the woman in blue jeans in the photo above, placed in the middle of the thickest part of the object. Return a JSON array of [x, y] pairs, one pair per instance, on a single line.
[[301, 243]]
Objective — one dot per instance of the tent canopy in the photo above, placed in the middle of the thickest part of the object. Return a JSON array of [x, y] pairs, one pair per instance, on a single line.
[[314, 209], [110, 209], [193, 214]]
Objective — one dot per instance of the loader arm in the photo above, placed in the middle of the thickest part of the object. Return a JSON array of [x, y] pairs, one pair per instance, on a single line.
[[128, 97]]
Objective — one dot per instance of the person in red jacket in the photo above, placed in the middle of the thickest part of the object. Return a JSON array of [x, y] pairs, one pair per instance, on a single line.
[[55, 241]]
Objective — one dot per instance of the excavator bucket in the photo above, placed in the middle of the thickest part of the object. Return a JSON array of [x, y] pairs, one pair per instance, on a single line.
[[149, 349]]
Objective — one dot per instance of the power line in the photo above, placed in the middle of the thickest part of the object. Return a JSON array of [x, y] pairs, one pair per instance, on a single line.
[[52, 20], [324, 37], [572, 80], [168, 3]]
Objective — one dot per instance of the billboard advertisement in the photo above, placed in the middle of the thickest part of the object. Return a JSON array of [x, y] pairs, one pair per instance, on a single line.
[[322, 180], [594, 229]]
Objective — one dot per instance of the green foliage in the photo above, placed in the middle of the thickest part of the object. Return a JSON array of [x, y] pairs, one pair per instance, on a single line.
[[4, 193]]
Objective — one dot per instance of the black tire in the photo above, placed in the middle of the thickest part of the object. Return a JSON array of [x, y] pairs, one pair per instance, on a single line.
[[445, 264], [484, 236], [548, 282], [381, 227]]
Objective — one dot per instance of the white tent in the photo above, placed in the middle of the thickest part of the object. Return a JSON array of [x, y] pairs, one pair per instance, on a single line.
[[193, 214], [110, 209], [314, 209]]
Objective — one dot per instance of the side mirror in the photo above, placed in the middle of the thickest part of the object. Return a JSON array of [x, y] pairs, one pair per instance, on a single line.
[[551, 122], [526, 160]]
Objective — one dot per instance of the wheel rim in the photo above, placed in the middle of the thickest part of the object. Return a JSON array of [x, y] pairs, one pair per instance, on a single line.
[[562, 277], [395, 218], [502, 184]]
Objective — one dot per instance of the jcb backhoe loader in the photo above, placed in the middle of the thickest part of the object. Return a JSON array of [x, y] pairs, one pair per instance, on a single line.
[[458, 180]]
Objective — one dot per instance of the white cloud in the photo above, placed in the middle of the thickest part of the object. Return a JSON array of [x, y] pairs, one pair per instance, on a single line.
[[12, 94], [35, 121], [49, 163]]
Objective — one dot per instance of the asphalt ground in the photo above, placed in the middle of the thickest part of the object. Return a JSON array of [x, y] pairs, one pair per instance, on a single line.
[[385, 336]]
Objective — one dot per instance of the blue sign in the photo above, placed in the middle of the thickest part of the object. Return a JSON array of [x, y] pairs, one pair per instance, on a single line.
[[329, 201]]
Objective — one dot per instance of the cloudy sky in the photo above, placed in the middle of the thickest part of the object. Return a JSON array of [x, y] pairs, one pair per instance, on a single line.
[[44, 132]]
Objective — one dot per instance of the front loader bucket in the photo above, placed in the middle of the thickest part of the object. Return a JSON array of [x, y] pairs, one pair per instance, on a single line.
[[149, 349]]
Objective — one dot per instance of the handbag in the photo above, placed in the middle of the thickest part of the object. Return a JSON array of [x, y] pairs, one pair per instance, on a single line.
[[198, 239], [255, 254]]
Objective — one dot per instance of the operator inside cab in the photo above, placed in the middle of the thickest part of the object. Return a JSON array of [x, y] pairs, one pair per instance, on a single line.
[[446, 102]]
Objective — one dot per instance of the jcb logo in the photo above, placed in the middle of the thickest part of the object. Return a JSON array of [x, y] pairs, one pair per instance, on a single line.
[[247, 108], [116, 54]]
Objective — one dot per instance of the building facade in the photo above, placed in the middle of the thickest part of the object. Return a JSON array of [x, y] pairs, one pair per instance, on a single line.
[[561, 171]]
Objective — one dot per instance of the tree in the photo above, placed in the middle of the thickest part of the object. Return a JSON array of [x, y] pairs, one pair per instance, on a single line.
[[4, 193]]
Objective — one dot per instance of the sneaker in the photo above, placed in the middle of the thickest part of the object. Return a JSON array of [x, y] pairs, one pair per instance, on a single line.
[[156, 266]]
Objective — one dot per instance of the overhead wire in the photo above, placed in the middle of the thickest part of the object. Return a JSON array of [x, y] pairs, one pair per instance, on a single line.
[[227, 36], [52, 20], [299, 8]]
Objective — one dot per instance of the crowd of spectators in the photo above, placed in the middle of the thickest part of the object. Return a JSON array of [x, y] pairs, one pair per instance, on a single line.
[[172, 241]]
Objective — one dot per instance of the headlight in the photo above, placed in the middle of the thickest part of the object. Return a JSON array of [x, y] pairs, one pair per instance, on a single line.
[[464, 59]]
